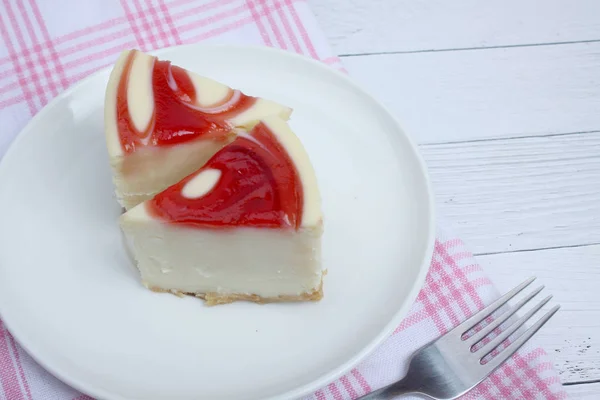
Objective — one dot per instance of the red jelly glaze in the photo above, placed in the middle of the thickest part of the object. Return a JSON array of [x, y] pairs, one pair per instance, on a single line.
[[175, 120], [259, 187]]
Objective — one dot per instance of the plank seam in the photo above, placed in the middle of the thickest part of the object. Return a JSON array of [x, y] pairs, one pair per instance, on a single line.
[[581, 383], [570, 246], [506, 46], [499, 138]]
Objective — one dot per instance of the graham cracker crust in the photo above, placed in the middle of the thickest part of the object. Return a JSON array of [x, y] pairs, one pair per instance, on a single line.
[[215, 299]]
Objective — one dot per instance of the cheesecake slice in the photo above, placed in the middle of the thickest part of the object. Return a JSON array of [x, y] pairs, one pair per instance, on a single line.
[[245, 226], [163, 122]]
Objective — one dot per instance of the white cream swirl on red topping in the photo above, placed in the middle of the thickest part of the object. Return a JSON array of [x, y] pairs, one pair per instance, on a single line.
[[201, 184]]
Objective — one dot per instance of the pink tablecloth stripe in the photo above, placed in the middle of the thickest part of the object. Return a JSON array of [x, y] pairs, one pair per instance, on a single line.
[[46, 46]]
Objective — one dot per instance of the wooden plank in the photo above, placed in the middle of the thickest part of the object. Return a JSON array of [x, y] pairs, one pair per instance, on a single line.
[[590, 391], [367, 26], [572, 337], [478, 94], [519, 194]]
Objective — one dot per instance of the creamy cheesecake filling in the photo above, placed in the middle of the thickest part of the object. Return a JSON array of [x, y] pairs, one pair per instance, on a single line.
[[145, 173], [248, 261]]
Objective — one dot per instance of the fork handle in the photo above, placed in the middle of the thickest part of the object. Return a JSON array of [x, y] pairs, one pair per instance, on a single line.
[[390, 391]]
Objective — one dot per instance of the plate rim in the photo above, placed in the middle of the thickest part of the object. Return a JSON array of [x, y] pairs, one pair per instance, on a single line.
[[377, 340]]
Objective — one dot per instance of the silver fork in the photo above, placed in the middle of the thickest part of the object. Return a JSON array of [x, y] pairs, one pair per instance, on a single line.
[[450, 366]]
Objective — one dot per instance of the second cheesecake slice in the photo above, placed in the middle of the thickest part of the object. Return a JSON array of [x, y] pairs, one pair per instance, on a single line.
[[162, 122]]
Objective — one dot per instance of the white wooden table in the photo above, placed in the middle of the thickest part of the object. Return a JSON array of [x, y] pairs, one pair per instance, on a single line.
[[503, 97]]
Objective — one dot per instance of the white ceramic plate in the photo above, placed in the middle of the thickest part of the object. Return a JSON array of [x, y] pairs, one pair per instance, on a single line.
[[70, 295]]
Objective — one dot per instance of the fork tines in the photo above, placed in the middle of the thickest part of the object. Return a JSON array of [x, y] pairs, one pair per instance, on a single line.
[[484, 350]]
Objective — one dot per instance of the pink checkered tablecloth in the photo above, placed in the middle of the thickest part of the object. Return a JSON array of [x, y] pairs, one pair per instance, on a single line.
[[48, 45]]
